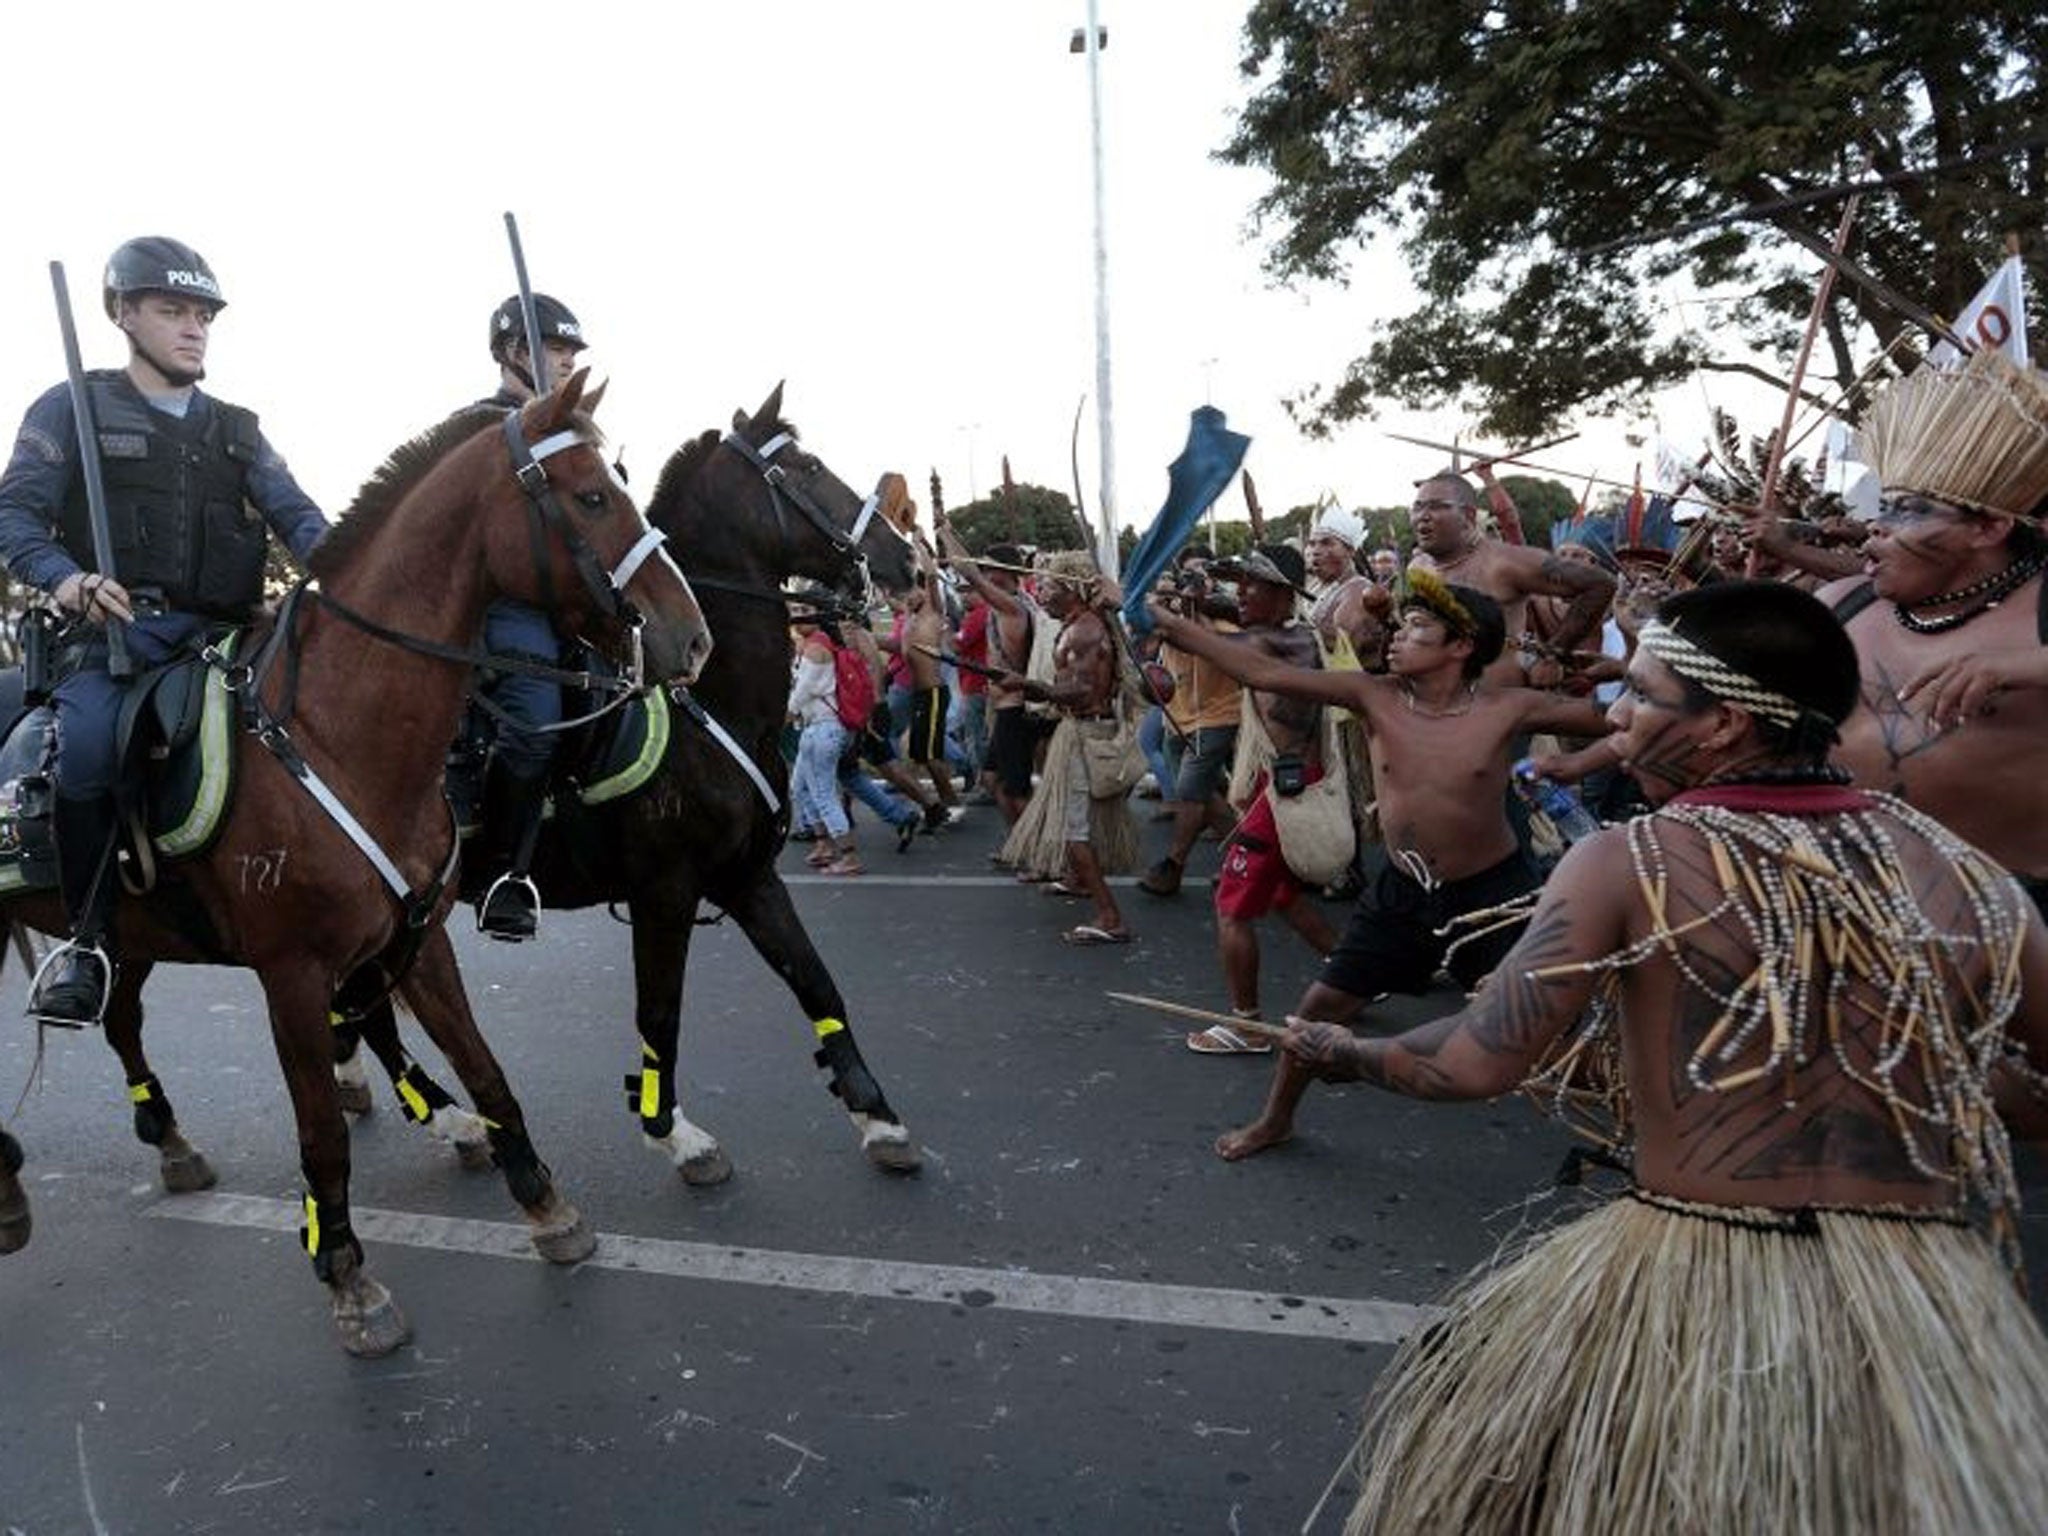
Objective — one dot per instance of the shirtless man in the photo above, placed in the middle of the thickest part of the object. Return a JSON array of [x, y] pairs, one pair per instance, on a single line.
[[1954, 711], [1083, 689], [1351, 610], [1448, 541], [1255, 879], [1441, 738], [1831, 1112], [1014, 736]]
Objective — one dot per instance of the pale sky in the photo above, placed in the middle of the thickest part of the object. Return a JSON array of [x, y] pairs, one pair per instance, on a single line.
[[886, 204]]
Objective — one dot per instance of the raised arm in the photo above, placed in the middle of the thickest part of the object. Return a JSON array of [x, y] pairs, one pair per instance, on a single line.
[[1006, 603], [1586, 589], [1490, 1046], [1255, 668]]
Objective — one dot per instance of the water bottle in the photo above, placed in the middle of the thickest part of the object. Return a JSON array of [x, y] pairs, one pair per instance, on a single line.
[[1561, 804]]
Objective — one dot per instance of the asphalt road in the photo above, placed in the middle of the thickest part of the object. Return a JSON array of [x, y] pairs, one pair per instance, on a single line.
[[1075, 1319]]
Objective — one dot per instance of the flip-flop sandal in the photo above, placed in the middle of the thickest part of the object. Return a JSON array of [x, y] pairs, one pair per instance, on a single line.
[[1222, 1040], [1088, 933], [1061, 888]]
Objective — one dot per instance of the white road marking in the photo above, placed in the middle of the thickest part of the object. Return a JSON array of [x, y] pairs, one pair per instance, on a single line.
[[1078, 1296], [963, 882]]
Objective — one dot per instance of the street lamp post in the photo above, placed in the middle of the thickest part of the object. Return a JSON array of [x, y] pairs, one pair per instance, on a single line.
[[1092, 43]]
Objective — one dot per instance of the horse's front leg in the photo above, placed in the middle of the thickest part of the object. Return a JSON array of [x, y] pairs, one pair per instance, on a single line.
[[14, 1223], [764, 911], [662, 925], [433, 990], [366, 1320], [422, 1100], [182, 1167]]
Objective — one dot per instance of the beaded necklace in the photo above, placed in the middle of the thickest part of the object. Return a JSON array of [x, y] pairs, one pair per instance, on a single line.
[[1825, 906], [1995, 588]]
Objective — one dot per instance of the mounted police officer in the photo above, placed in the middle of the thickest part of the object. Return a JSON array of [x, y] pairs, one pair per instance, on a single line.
[[193, 492], [516, 781]]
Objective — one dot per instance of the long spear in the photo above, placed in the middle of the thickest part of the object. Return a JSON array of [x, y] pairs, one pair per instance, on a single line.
[[1544, 469], [1183, 1011], [1767, 503], [1252, 508]]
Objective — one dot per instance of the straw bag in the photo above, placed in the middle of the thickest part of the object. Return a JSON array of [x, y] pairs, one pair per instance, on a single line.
[[1113, 761], [1318, 838]]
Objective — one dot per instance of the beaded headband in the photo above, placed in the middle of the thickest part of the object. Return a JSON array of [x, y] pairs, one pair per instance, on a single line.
[[1716, 676], [1431, 593]]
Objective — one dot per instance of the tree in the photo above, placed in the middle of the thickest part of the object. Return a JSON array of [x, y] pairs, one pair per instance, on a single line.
[[1035, 514], [1505, 141], [1540, 503]]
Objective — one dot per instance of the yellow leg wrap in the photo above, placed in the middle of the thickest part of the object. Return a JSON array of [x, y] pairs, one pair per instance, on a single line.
[[415, 1102], [650, 1093], [312, 1226], [826, 1027], [141, 1093]]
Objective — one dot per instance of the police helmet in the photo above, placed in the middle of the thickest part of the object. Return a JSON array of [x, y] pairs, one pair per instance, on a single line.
[[158, 264], [556, 320]]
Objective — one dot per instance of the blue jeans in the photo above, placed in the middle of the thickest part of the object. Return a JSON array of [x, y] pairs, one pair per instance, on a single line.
[[873, 794], [516, 629], [1152, 742], [815, 788], [89, 701]]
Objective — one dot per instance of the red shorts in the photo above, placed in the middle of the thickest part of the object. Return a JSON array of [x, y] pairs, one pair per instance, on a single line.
[[1255, 879]]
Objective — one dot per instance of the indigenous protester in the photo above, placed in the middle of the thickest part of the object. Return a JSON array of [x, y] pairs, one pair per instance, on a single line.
[[1014, 733], [969, 720], [1798, 993], [1951, 625], [181, 471], [925, 637], [1350, 611], [1203, 706], [1078, 826], [1282, 754], [865, 718], [1442, 743], [515, 788], [1450, 543]]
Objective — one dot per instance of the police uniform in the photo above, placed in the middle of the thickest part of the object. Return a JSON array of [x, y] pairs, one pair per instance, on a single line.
[[192, 497]]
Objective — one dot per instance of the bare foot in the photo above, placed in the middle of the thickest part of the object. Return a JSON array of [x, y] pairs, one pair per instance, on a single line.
[[1235, 1146]]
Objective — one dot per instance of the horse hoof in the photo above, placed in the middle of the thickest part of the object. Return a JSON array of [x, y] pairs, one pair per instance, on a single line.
[[888, 1145], [560, 1234], [706, 1169], [354, 1097], [895, 1156], [366, 1319], [187, 1172]]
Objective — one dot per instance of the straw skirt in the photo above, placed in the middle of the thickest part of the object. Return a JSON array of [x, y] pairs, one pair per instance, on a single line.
[[1645, 1369]]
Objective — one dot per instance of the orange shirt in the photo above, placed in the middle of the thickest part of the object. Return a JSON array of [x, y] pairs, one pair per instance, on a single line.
[[1203, 696]]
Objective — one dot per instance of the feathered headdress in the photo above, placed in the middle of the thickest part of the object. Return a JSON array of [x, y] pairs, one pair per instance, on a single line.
[[1430, 592], [1975, 435]]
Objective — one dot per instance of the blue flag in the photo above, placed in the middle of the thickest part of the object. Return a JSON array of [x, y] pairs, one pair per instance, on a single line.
[[1193, 482]]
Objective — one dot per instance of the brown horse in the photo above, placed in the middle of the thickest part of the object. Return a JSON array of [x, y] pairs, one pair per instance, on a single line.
[[335, 858], [750, 508]]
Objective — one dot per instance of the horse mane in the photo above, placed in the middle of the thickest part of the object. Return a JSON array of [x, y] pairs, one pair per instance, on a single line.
[[683, 464], [397, 476]]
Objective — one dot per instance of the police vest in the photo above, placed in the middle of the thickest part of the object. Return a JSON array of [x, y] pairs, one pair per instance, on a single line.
[[179, 517]]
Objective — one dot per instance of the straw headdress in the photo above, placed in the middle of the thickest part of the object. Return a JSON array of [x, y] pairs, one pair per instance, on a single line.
[[1975, 435], [1075, 567]]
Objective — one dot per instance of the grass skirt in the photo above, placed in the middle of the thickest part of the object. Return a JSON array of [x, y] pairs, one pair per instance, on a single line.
[[1645, 1370], [1038, 842]]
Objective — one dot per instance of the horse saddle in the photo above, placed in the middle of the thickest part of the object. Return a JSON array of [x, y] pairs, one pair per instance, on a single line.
[[174, 736], [603, 761]]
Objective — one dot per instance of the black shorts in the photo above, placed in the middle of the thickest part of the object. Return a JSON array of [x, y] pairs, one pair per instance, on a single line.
[[1011, 746], [928, 725], [1391, 944]]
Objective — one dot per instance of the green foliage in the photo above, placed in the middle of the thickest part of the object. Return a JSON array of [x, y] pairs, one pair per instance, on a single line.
[[1031, 514], [1503, 140], [1540, 503]]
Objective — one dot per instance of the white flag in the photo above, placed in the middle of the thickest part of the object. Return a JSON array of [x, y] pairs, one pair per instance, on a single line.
[[1996, 318]]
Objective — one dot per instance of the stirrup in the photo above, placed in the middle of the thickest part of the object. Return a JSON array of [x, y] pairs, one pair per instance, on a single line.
[[519, 920], [69, 949]]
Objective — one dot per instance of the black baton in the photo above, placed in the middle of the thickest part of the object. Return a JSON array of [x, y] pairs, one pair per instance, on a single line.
[[118, 664]]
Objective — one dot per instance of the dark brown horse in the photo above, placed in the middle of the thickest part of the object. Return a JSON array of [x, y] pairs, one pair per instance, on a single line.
[[353, 693], [750, 508]]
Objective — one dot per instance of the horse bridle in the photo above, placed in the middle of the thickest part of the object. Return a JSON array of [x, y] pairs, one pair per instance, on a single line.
[[782, 488], [545, 515]]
